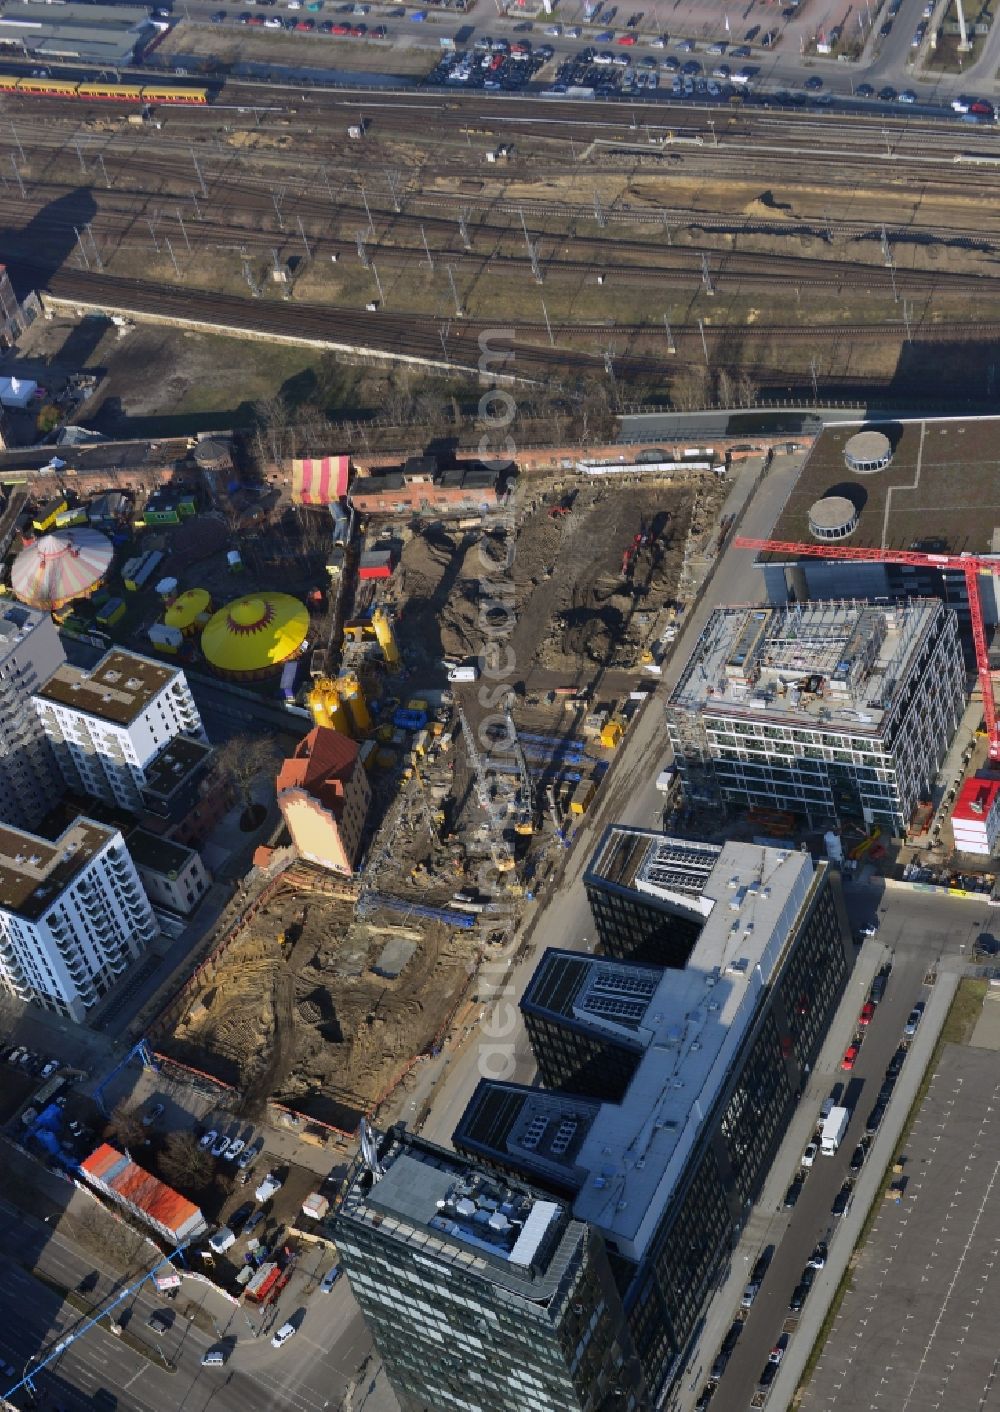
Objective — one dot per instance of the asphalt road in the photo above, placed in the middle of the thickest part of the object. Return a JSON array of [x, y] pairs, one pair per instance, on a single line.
[[311, 1373], [917, 931]]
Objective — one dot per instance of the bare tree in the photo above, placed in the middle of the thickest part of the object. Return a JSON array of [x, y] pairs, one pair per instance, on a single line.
[[184, 1164], [271, 414], [126, 1126], [748, 390], [726, 389], [689, 390], [244, 759]]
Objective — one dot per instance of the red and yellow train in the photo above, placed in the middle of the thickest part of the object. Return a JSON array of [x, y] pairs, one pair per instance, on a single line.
[[103, 92]]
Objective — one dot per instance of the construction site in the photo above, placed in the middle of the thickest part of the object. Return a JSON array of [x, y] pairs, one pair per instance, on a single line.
[[333, 987]]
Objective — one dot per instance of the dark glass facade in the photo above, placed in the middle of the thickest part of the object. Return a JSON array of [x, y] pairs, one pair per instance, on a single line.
[[633, 928], [459, 1331]]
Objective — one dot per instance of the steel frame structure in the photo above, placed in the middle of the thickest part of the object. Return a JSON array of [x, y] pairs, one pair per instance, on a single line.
[[970, 565]]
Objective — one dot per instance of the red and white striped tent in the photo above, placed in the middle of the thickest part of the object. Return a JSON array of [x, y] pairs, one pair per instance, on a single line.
[[320, 480]]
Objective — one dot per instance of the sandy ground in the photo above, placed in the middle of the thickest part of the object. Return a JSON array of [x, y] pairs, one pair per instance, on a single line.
[[318, 1029]]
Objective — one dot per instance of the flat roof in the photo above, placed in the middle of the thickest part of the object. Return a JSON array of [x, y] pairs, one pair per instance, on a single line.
[[34, 871], [174, 765], [497, 1229], [539, 1129], [693, 1027], [827, 664], [975, 800], [117, 689], [157, 855], [942, 485], [606, 993], [671, 871], [18, 621]]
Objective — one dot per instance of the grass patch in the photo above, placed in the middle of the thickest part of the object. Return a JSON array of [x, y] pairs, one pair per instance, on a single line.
[[958, 1026]]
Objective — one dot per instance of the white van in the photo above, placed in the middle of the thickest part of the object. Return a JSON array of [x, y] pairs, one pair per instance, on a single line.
[[463, 674]]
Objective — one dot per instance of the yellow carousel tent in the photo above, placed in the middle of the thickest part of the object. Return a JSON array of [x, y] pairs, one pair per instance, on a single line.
[[256, 635]]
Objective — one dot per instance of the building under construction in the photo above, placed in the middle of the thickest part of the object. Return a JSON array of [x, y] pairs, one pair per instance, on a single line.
[[834, 710]]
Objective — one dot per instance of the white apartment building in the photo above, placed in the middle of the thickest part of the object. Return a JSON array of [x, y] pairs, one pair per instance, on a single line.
[[73, 916], [831, 711], [109, 725], [30, 651]]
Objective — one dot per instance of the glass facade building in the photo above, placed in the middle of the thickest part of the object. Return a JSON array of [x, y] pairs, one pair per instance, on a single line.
[[482, 1294], [727, 1044]]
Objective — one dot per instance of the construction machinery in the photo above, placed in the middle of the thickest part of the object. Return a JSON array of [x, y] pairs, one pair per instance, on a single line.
[[632, 552], [503, 859], [525, 822], [386, 638], [328, 707], [969, 565], [349, 690]]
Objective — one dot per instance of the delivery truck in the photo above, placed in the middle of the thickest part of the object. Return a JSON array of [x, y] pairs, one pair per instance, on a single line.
[[834, 1128]]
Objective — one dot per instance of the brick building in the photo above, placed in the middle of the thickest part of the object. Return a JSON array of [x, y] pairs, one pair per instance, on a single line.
[[323, 795]]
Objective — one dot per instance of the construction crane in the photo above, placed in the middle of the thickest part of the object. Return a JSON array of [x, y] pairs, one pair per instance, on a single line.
[[969, 565], [526, 813], [140, 1051], [501, 854]]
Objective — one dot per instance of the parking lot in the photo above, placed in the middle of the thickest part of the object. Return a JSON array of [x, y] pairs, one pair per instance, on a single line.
[[917, 1330]]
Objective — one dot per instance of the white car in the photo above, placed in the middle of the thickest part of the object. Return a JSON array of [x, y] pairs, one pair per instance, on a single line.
[[50, 1068], [221, 1240], [234, 1149], [809, 1156], [220, 1145], [283, 1335], [208, 1139]]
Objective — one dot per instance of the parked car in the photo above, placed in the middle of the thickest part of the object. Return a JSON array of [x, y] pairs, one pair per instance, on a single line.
[[818, 1258], [283, 1335], [152, 1115], [857, 1159], [330, 1278], [874, 1120], [867, 1011], [850, 1057], [705, 1396], [234, 1149], [776, 1355], [799, 1295], [810, 1154], [208, 1139], [240, 1217], [793, 1193], [258, 1216], [221, 1240], [842, 1201], [220, 1145], [249, 1154], [896, 1062], [726, 1348], [161, 1320], [916, 1015]]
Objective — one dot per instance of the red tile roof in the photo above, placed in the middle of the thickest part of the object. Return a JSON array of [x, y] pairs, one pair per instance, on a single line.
[[323, 762]]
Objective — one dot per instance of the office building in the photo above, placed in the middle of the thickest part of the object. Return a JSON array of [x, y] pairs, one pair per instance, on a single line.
[[30, 651], [482, 1294], [645, 894], [667, 1174], [830, 711], [323, 795], [73, 916], [109, 726]]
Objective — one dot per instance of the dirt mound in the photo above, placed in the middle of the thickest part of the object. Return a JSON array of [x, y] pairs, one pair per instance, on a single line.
[[766, 207]]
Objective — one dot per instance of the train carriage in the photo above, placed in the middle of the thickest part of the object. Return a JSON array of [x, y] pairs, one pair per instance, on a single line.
[[111, 92], [153, 93], [48, 87]]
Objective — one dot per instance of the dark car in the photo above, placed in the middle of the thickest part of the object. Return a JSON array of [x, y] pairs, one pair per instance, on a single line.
[[160, 1320], [793, 1193], [886, 29], [896, 1062], [874, 1120], [240, 1217], [886, 95], [818, 1258], [800, 1293], [814, 84], [705, 1396], [726, 1348], [858, 1159], [842, 1201], [768, 1374], [877, 993]]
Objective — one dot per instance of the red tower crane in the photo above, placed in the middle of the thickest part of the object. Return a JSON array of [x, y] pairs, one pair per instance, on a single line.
[[968, 564]]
